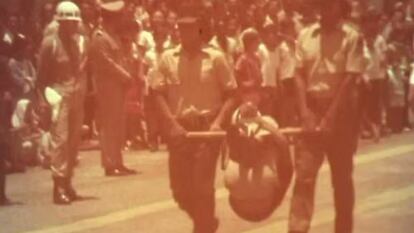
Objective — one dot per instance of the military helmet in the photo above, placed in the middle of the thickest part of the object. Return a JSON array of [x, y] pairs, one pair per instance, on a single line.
[[68, 11], [111, 5]]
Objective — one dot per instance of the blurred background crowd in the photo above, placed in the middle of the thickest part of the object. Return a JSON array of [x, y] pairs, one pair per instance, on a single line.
[[387, 27]]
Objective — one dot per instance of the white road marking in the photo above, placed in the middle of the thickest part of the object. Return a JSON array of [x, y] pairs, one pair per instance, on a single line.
[[136, 212]]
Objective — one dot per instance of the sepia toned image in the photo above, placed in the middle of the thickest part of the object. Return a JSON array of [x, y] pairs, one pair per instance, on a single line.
[[206, 116]]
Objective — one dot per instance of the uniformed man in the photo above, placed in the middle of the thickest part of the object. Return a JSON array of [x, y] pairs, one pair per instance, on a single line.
[[61, 68], [109, 60], [329, 62], [192, 91], [6, 85]]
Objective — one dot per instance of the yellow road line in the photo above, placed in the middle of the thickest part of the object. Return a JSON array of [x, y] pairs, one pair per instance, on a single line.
[[135, 212]]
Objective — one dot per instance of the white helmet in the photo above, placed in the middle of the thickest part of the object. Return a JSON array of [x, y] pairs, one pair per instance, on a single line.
[[68, 10]]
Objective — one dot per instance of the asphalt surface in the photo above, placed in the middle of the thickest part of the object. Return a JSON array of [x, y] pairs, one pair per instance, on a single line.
[[384, 177]]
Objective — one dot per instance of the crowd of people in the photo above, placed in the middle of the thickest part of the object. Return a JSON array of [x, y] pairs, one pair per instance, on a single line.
[[101, 67]]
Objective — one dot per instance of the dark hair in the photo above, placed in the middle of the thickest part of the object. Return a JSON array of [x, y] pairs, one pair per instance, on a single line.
[[371, 15], [249, 35], [20, 42], [344, 6]]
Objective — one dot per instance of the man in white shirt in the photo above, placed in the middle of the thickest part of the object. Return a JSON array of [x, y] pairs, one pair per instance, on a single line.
[[278, 66]]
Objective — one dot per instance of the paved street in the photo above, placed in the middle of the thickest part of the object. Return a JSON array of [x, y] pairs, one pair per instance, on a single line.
[[384, 175]]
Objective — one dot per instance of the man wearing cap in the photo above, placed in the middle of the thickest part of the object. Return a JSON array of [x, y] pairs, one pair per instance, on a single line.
[[62, 68], [329, 61], [191, 91], [109, 60]]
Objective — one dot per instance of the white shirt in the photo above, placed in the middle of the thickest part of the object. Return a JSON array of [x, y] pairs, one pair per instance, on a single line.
[[277, 65], [412, 75], [375, 58]]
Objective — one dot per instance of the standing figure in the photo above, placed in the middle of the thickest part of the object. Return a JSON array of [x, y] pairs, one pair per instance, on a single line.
[[329, 63], [191, 90], [247, 69], [152, 113], [62, 68], [112, 76], [277, 70], [6, 85]]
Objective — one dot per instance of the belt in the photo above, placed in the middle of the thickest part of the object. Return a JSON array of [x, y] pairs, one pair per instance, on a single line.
[[197, 123]]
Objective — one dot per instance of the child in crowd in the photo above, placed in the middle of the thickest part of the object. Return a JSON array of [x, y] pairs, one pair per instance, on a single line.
[[248, 69]]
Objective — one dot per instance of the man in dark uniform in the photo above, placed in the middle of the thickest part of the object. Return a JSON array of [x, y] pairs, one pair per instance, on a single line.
[[6, 85], [112, 76], [191, 91], [61, 71], [329, 62]]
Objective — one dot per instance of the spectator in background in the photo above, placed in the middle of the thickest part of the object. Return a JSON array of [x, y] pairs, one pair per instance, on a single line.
[[375, 72], [6, 85], [173, 38], [247, 69], [221, 41], [134, 54], [277, 68], [152, 113], [395, 91], [21, 67], [23, 74], [90, 23]]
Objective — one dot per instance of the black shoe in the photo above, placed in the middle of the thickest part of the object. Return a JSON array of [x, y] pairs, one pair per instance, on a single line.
[[60, 194], [4, 201], [16, 168], [127, 170], [116, 172], [72, 194]]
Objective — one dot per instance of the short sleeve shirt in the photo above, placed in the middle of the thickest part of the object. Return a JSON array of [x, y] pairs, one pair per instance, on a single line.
[[326, 57], [195, 84], [277, 65], [375, 54]]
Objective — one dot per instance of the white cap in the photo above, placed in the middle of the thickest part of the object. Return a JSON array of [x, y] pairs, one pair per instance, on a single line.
[[68, 10]]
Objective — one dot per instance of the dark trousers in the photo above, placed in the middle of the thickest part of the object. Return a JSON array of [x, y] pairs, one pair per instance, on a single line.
[[309, 157], [5, 116], [192, 169], [153, 119], [376, 101], [396, 119], [90, 114], [111, 120], [338, 146], [2, 174], [406, 120]]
